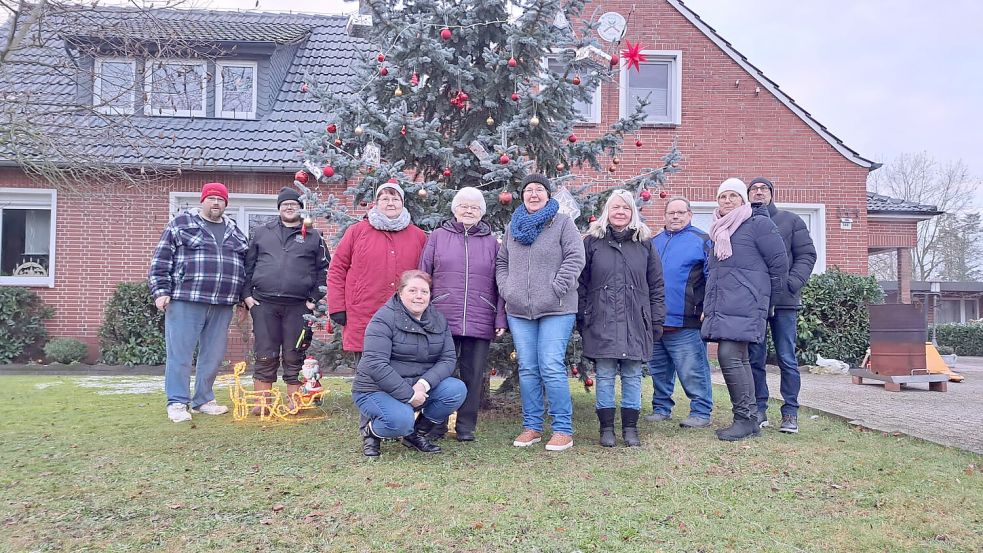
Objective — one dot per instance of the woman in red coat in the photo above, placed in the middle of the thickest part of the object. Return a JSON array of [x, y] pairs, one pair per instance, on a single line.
[[365, 269]]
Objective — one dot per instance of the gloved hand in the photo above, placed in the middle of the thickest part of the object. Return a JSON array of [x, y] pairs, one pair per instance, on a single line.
[[656, 333], [340, 318]]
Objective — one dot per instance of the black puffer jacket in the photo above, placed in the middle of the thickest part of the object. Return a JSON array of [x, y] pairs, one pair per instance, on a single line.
[[741, 287], [399, 350], [288, 270], [622, 298], [801, 256]]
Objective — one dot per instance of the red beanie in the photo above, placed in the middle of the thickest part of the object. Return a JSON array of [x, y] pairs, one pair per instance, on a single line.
[[215, 189]]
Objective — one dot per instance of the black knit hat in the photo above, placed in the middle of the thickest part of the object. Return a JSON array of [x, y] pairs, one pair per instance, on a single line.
[[761, 180], [286, 194], [538, 179]]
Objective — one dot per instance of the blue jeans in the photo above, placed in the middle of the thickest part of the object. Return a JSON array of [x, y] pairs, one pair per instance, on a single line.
[[541, 345], [391, 418], [188, 324], [681, 353], [631, 383], [783, 333]]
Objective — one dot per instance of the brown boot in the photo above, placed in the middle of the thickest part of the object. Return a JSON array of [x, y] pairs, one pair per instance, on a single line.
[[293, 397], [262, 387]]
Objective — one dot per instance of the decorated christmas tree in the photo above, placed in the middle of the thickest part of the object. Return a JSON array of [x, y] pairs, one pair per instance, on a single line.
[[472, 93]]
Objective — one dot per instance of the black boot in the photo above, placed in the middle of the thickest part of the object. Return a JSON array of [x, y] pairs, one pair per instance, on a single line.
[[629, 427], [740, 429], [437, 432], [370, 443], [418, 438], [606, 418]]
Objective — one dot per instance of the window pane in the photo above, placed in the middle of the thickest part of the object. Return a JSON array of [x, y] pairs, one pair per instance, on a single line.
[[25, 248], [237, 89], [972, 310], [116, 84], [583, 109], [949, 311], [177, 87], [651, 80], [257, 219]]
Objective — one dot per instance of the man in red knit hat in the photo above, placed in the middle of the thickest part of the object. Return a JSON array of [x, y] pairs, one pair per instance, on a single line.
[[196, 277]]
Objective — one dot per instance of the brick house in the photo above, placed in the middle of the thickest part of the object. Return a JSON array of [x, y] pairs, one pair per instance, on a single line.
[[73, 246]]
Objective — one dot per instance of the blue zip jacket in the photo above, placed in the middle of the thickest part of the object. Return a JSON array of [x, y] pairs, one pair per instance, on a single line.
[[685, 266]]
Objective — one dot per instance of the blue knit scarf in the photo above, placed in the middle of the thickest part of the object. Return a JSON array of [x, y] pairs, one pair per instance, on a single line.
[[526, 226]]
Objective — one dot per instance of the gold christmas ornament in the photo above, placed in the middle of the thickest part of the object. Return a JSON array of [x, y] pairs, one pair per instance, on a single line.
[[308, 222], [399, 91], [359, 130], [513, 356], [490, 121], [534, 121], [422, 192]]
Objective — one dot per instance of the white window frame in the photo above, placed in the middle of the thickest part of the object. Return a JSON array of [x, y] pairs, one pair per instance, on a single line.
[[594, 117], [239, 208], [149, 87], [32, 198], [98, 102], [219, 111], [816, 212], [675, 59]]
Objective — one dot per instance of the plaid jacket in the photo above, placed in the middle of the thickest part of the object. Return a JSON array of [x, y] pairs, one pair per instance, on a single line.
[[188, 265]]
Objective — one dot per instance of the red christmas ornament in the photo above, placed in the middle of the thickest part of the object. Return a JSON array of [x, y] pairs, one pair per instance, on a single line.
[[328, 171], [574, 371], [515, 96], [304, 87], [615, 60], [362, 204], [638, 143], [415, 79], [301, 177], [663, 194], [512, 62], [611, 168], [381, 57], [445, 33], [337, 142], [447, 171], [591, 219], [646, 195], [383, 71], [504, 159], [493, 372], [505, 198], [332, 128], [402, 131], [572, 138], [560, 166], [463, 96], [588, 382], [633, 54], [576, 80]]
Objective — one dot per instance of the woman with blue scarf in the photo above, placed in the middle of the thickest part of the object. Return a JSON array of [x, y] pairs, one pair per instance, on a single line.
[[536, 271]]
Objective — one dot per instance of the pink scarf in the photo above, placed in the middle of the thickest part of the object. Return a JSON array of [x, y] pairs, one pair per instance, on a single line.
[[723, 227]]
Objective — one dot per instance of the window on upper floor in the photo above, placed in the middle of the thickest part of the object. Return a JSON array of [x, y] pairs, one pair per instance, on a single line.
[[27, 237], [175, 87], [114, 85], [247, 210], [814, 216], [659, 78], [235, 89], [588, 112]]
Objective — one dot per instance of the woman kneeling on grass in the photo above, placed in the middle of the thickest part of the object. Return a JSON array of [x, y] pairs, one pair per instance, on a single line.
[[622, 308], [406, 366]]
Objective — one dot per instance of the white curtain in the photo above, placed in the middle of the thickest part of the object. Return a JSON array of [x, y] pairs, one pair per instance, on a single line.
[[37, 232]]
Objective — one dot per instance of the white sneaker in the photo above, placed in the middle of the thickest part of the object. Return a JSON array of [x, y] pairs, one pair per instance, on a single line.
[[211, 408], [178, 412]]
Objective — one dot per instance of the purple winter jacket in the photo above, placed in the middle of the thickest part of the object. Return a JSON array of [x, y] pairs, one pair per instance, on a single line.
[[463, 269]]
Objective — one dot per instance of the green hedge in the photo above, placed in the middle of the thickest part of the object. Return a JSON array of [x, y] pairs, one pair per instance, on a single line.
[[834, 321], [66, 350], [22, 330], [132, 331], [964, 339]]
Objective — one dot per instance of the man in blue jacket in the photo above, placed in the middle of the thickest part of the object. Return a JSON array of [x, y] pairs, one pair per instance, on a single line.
[[801, 259], [681, 351]]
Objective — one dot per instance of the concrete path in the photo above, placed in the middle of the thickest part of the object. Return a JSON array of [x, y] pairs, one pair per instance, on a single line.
[[953, 418]]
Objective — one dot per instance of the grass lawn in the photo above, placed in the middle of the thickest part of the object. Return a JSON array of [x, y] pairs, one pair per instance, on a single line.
[[84, 471]]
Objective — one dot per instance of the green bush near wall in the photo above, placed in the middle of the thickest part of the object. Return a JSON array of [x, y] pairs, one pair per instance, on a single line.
[[132, 331], [22, 317], [964, 339], [834, 321]]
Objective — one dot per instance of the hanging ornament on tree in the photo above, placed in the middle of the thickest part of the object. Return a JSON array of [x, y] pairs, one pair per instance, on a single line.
[[615, 60], [560, 167], [337, 142], [638, 143], [383, 71], [504, 159], [359, 130], [381, 57], [591, 219], [633, 55], [611, 168], [308, 222], [572, 138], [304, 88], [447, 172], [505, 198], [402, 131], [645, 194], [328, 171], [415, 79], [534, 121], [512, 63], [422, 192], [445, 33], [576, 80], [332, 128], [490, 121], [663, 194], [398, 92], [301, 177], [515, 96], [615, 160]]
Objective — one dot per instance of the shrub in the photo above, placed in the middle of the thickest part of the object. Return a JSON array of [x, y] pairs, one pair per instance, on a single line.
[[964, 339], [945, 350], [22, 316], [834, 321], [66, 350], [132, 331]]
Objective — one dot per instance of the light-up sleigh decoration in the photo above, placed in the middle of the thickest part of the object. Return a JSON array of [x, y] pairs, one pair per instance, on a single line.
[[272, 404]]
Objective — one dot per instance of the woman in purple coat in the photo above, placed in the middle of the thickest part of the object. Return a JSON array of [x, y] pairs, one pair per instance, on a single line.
[[460, 256]]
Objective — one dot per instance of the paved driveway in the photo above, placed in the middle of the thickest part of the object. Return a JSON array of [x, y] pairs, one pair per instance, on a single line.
[[953, 418]]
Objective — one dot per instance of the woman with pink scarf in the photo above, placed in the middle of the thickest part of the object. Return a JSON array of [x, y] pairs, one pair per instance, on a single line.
[[748, 267]]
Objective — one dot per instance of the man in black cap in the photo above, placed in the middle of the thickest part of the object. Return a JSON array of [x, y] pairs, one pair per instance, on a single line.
[[801, 259], [286, 268]]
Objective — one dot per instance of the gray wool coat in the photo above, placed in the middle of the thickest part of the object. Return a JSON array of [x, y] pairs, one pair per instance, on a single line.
[[541, 279]]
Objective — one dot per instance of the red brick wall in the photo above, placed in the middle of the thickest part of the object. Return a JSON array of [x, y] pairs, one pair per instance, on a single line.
[[892, 234]]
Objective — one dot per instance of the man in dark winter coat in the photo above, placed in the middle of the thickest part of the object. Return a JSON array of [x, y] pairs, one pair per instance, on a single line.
[[801, 260], [286, 266]]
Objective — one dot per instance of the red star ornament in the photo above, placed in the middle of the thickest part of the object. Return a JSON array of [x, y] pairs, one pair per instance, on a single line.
[[633, 55]]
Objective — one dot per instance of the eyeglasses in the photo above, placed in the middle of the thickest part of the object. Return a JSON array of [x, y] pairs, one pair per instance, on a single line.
[[534, 190], [290, 205], [758, 188], [676, 213], [389, 198], [463, 207]]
